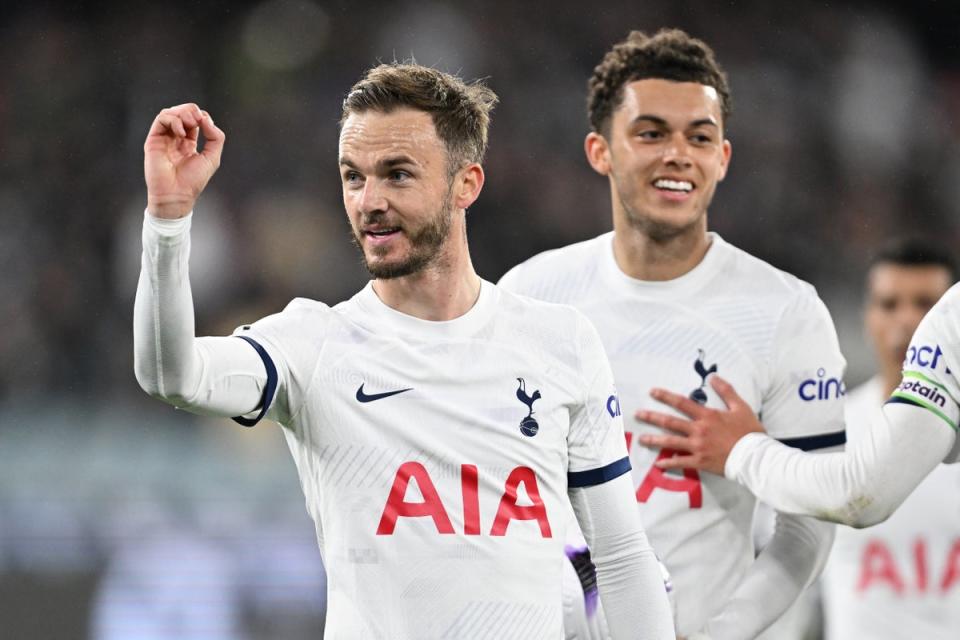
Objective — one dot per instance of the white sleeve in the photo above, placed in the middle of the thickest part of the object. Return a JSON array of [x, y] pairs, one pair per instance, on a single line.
[[859, 487], [596, 446], [790, 562], [915, 431], [628, 575], [803, 403], [221, 376]]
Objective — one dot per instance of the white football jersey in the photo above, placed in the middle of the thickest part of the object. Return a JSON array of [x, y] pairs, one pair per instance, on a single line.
[[763, 330], [931, 369], [900, 578], [435, 457]]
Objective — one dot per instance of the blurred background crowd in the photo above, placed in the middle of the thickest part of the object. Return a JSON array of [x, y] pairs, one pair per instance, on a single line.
[[121, 518]]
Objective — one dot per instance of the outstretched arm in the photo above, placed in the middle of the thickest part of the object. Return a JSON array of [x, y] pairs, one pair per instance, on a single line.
[[628, 574], [859, 487], [220, 376]]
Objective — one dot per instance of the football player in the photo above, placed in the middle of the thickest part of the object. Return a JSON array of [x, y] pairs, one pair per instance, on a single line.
[[439, 425], [674, 305]]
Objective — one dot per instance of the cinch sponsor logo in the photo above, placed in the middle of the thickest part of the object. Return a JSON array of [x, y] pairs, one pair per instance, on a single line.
[[821, 388], [924, 391], [613, 406], [924, 356]]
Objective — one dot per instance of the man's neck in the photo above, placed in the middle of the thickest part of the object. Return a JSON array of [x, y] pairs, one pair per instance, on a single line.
[[644, 258], [444, 290]]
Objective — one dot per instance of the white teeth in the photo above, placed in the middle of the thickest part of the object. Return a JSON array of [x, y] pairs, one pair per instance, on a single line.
[[673, 185]]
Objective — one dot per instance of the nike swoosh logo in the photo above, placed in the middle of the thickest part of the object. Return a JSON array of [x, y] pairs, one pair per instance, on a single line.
[[363, 397]]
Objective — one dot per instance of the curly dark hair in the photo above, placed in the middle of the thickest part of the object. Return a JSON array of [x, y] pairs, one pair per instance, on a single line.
[[670, 54], [460, 111]]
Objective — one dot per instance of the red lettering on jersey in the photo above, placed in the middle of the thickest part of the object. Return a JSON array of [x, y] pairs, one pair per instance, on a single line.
[[396, 505], [469, 485], [657, 478], [877, 566], [629, 436], [951, 574], [510, 510], [920, 563]]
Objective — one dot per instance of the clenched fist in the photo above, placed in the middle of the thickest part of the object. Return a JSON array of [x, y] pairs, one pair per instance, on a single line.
[[175, 171]]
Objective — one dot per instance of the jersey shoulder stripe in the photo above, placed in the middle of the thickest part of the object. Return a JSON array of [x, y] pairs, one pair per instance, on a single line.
[[820, 441], [268, 391], [600, 475]]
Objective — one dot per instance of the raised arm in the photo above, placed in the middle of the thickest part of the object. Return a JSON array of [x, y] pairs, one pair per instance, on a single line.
[[219, 376]]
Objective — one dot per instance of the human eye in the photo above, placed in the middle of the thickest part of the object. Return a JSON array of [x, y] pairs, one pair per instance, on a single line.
[[649, 134], [701, 138], [887, 305], [399, 175], [352, 178]]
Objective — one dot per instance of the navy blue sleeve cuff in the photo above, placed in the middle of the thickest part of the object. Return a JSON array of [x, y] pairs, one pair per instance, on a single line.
[[268, 391], [902, 400], [812, 443], [598, 476]]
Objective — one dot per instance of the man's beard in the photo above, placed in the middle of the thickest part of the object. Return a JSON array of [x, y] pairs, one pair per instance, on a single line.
[[426, 244]]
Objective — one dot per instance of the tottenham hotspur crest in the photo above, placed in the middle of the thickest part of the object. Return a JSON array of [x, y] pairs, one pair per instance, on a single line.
[[528, 426], [699, 395]]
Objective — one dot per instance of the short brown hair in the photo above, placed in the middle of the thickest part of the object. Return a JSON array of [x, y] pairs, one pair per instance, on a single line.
[[460, 111], [670, 54]]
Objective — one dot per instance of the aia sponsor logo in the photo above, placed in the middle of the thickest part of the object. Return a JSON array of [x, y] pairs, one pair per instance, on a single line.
[[822, 387], [432, 507], [882, 569]]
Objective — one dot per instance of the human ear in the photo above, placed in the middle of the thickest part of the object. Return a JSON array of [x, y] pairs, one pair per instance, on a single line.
[[598, 152], [467, 185]]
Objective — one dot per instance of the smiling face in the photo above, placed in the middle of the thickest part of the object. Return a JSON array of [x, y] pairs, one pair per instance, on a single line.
[[664, 154], [397, 190]]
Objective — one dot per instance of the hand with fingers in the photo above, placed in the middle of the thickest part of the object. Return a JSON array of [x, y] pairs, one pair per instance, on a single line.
[[176, 170], [707, 435]]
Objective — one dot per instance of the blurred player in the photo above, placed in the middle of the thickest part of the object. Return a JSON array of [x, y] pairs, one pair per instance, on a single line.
[[675, 304], [436, 422], [900, 579]]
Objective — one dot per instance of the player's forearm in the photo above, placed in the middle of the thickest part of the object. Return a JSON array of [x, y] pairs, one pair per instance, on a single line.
[[790, 562], [165, 363], [859, 487], [628, 575], [220, 376]]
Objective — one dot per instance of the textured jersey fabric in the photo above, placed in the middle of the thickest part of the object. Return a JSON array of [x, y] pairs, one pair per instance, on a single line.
[[438, 459], [763, 330]]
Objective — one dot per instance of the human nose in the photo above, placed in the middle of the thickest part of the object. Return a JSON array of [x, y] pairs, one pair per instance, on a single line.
[[371, 198], [677, 150]]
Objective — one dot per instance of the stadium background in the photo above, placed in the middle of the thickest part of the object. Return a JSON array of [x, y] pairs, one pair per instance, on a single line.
[[118, 514]]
